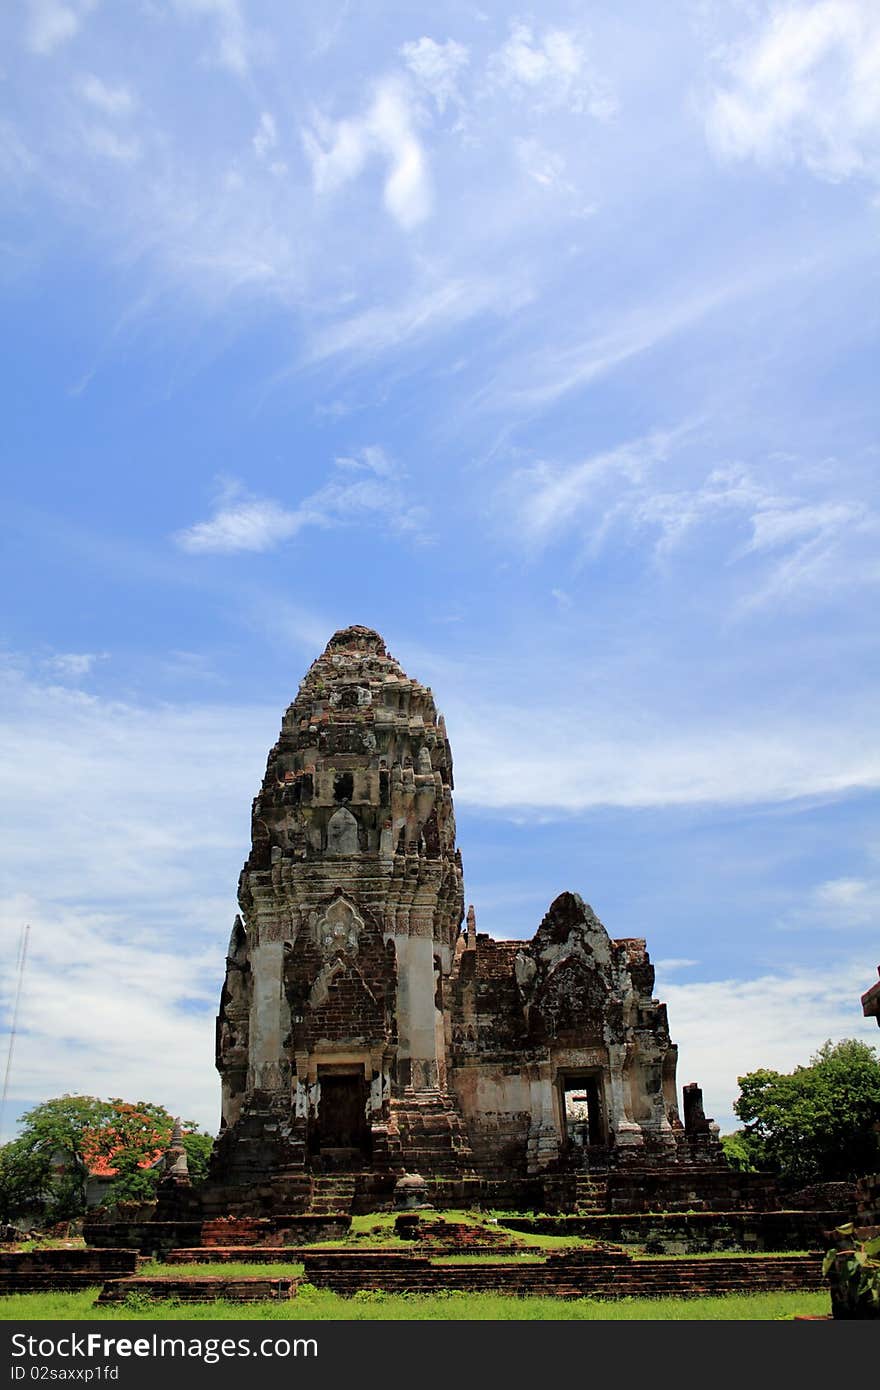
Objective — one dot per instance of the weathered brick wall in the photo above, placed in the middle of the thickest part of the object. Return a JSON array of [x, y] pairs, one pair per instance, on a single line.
[[149, 1237], [689, 1188], [275, 1230]]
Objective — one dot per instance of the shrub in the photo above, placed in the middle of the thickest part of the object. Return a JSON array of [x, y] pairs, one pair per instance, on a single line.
[[852, 1268]]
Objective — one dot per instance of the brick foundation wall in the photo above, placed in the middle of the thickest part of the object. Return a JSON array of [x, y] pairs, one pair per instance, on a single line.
[[33, 1271], [278, 1230], [570, 1274], [680, 1233], [253, 1289], [149, 1237]]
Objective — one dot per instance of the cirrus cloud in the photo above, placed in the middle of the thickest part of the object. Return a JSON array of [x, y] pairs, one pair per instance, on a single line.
[[805, 87], [242, 522], [338, 152]]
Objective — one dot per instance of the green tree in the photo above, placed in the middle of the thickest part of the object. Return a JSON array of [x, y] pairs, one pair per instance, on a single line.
[[64, 1139], [25, 1182], [132, 1181], [819, 1122], [738, 1151], [49, 1157]]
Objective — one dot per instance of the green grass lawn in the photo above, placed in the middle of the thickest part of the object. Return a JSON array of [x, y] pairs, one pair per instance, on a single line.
[[519, 1257], [238, 1269], [377, 1228], [321, 1305]]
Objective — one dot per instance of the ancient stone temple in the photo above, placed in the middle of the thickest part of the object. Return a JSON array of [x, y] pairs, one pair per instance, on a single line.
[[361, 1028]]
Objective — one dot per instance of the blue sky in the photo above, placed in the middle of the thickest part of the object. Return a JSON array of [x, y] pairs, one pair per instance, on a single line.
[[545, 342]]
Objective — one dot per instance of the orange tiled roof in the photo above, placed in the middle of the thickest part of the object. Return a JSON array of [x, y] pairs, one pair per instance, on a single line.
[[100, 1166]]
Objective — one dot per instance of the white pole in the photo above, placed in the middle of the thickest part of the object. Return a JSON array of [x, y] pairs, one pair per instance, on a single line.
[[22, 956]]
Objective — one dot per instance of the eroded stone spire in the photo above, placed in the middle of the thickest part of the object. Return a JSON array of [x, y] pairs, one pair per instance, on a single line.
[[351, 903]]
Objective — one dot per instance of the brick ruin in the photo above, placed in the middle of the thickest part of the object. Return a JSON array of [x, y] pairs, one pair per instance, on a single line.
[[361, 1028]]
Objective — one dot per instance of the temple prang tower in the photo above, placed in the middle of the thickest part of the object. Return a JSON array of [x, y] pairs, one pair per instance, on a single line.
[[331, 1042], [361, 1029]]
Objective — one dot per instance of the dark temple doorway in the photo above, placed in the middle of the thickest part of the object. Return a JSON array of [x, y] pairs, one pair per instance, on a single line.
[[583, 1113], [341, 1136]]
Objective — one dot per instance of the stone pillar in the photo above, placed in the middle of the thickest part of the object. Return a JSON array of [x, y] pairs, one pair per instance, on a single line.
[[266, 1032], [416, 1026], [652, 1085], [695, 1121], [542, 1149], [624, 1131], [230, 1102]]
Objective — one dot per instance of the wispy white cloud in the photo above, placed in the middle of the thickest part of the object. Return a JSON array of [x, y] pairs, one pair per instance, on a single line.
[[846, 904], [18, 162], [353, 502], [549, 499], [540, 379], [796, 548], [634, 759], [818, 549], [109, 144], [673, 514], [109, 100], [805, 87], [266, 137], [244, 523], [372, 459], [777, 525], [265, 143], [551, 69], [437, 67], [338, 152], [73, 665], [544, 166], [853, 899], [51, 23], [433, 308], [564, 599], [234, 43]]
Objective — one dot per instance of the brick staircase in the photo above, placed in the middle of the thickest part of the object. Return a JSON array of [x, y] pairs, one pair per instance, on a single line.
[[233, 1230], [332, 1194], [433, 1139], [591, 1194]]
